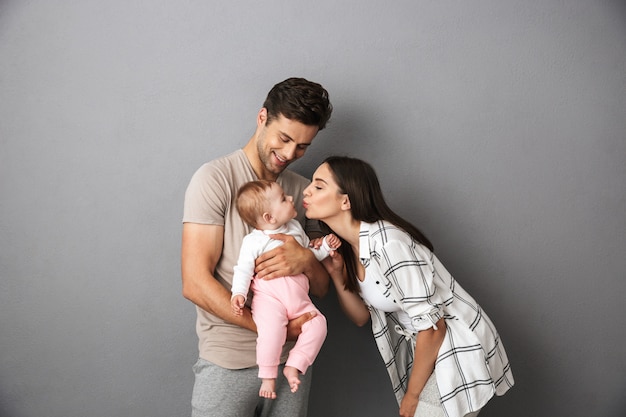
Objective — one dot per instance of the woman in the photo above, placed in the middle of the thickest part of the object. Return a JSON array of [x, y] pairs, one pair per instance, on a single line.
[[443, 354]]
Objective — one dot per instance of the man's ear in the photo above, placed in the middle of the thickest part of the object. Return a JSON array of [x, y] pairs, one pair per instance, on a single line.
[[261, 117]]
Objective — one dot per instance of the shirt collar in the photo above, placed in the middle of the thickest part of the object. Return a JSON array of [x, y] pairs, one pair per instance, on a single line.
[[282, 229], [364, 241]]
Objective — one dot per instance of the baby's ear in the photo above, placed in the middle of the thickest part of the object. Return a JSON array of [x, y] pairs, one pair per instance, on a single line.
[[268, 218]]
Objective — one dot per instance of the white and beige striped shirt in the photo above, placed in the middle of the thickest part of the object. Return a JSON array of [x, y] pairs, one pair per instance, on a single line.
[[472, 364]]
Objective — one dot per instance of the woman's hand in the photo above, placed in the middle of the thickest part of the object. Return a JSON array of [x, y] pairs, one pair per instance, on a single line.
[[408, 405], [334, 265], [351, 303], [427, 345]]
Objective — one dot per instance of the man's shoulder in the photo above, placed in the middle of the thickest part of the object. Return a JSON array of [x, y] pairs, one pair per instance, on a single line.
[[234, 159], [227, 167], [217, 181]]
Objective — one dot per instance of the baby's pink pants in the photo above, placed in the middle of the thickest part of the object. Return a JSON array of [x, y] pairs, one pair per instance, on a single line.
[[274, 303]]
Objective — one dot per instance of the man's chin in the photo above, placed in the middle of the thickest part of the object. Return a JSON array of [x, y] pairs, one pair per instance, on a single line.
[[277, 169]]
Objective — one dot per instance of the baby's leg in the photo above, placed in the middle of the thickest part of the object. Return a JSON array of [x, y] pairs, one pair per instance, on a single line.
[[308, 344], [271, 321]]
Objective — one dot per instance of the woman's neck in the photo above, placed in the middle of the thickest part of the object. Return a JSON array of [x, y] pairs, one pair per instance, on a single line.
[[348, 229]]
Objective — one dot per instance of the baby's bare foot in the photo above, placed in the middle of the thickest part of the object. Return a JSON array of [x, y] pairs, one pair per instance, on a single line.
[[268, 389], [293, 377]]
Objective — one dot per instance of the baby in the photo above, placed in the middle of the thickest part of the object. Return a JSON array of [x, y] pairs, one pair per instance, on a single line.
[[264, 206]]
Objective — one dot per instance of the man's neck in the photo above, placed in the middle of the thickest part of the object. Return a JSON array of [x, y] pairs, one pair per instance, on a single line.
[[252, 154]]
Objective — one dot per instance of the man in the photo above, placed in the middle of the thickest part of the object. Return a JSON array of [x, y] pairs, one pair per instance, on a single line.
[[226, 380]]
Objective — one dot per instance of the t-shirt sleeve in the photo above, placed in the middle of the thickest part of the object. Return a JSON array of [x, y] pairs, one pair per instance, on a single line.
[[207, 197]]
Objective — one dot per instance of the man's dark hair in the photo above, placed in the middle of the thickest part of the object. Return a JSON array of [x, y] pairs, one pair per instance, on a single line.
[[301, 100]]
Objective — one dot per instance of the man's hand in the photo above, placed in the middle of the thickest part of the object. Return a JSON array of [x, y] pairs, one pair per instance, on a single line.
[[291, 258], [294, 327], [201, 249]]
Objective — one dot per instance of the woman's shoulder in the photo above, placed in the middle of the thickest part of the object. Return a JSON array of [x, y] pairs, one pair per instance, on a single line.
[[389, 237], [384, 232]]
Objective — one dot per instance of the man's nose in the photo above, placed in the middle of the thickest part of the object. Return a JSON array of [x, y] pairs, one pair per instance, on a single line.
[[290, 151]]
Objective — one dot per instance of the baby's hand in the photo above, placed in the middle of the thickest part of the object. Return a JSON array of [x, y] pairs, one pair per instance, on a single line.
[[237, 302], [333, 241]]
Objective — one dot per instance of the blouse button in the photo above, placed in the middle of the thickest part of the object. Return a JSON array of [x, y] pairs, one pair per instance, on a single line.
[[377, 282]]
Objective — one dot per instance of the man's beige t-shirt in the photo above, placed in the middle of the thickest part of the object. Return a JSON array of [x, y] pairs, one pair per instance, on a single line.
[[210, 199]]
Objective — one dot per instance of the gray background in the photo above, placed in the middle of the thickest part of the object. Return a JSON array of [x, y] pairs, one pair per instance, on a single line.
[[497, 126]]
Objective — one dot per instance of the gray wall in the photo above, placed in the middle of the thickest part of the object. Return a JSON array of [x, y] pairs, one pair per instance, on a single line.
[[497, 126]]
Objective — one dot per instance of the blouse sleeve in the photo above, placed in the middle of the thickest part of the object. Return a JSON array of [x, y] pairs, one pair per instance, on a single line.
[[410, 276]]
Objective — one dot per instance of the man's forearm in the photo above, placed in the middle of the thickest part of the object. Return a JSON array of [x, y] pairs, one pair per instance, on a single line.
[[215, 299]]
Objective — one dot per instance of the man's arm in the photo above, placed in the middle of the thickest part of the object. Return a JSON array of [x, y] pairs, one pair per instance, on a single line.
[[201, 249], [291, 258]]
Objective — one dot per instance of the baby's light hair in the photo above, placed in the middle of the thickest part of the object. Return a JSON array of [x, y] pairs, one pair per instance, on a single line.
[[251, 200]]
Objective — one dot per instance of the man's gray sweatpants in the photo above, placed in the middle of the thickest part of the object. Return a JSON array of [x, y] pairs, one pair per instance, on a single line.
[[220, 392]]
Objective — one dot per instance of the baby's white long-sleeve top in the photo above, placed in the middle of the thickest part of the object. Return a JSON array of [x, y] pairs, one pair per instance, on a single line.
[[257, 242]]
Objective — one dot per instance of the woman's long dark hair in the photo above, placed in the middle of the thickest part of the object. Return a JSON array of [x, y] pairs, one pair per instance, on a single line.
[[359, 181]]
